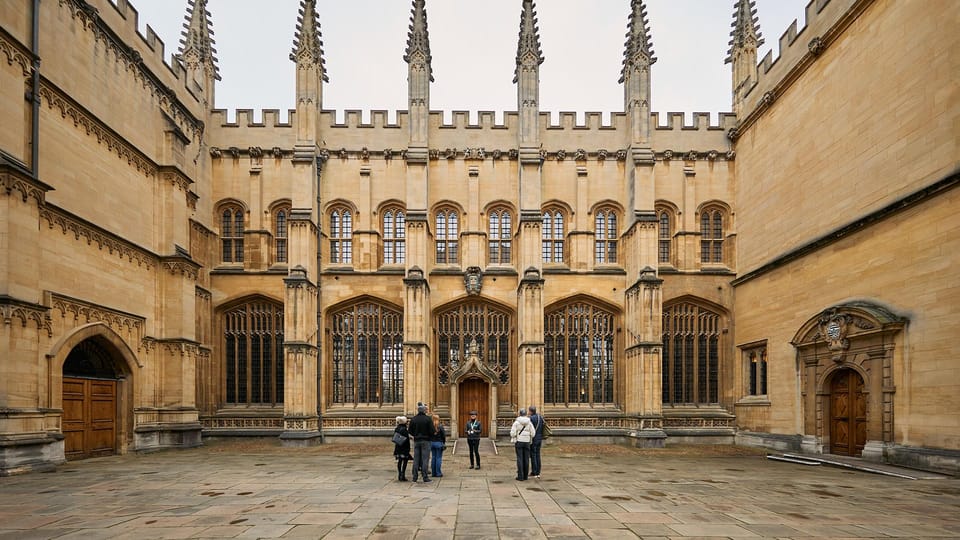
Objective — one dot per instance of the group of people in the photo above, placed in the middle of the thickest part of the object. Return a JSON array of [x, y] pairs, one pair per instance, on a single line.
[[424, 433], [428, 439], [526, 434]]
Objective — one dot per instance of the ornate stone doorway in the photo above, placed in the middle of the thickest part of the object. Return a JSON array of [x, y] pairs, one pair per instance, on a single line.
[[848, 413], [479, 384]]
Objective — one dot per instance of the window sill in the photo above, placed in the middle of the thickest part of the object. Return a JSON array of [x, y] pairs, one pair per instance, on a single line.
[[754, 401]]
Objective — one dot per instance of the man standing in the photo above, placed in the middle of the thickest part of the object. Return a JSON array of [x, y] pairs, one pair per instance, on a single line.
[[521, 433], [473, 438], [421, 429], [538, 424]]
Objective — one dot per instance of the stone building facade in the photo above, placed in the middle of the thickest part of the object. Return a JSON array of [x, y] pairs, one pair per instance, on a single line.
[[780, 278]]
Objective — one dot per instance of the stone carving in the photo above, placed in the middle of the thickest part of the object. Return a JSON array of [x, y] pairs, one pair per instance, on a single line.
[[543, 154], [833, 328], [602, 154], [277, 152], [667, 155], [580, 154], [513, 153], [712, 155], [815, 46], [93, 235], [433, 153], [621, 155], [496, 154], [234, 151], [388, 154], [473, 280], [364, 153], [450, 153], [342, 153], [215, 152], [733, 133], [561, 155], [692, 155], [767, 99], [731, 154]]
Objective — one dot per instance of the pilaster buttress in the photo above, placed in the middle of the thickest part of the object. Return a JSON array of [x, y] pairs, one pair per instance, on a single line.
[[643, 322], [197, 52], [745, 39]]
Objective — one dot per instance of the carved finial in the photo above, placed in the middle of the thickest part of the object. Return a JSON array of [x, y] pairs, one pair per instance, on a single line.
[[528, 49], [307, 45], [746, 28], [638, 48], [418, 39], [196, 42]]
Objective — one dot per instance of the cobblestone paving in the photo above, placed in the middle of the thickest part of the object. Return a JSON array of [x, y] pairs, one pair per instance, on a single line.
[[259, 490]]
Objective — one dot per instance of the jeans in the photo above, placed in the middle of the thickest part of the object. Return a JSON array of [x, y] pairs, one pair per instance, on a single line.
[[436, 453], [523, 460], [535, 458], [421, 455], [474, 445]]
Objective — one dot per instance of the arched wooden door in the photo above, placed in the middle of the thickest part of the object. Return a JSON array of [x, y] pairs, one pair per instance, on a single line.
[[89, 402], [848, 414], [474, 396]]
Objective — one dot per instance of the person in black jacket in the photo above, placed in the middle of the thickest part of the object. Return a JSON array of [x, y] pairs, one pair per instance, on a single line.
[[538, 423], [402, 451], [474, 430], [421, 429]]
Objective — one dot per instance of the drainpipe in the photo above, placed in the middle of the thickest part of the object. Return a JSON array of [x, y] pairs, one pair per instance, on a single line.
[[35, 94]]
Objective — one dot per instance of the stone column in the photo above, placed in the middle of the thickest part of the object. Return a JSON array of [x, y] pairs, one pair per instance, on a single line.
[[642, 366], [417, 365], [529, 375], [301, 424]]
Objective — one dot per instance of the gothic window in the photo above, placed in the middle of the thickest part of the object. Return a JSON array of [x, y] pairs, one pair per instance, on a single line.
[[711, 235], [605, 233], [394, 236], [231, 234], [691, 355], [341, 236], [756, 368], [280, 218], [253, 350], [578, 355], [499, 242], [552, 236], [458, 327], [367, 355], [448, 235], [665, 235]]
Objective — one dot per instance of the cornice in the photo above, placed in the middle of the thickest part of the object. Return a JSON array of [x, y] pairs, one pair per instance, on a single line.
[[87, 312], [15, 52], [11, 308], [93, 234], [15, 178], [179, 265]]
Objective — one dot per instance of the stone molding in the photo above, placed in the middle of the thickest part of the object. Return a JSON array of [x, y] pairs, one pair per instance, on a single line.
[[11, 309], [183, 266], [11, 179], [68, 223], [11, 48], [87, 312]]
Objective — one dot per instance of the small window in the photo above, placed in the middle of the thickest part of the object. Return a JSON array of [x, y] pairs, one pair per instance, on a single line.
[[552, 236], [280, 234], [711, 236], [341, 236], [231, 235], [448, 235], [605, 233], [394, 236], [665, 236], [499, 242], [756, 368]]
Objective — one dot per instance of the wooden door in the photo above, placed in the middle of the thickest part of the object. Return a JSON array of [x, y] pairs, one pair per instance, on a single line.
[[89, 417], [848, 414], [474, 396]]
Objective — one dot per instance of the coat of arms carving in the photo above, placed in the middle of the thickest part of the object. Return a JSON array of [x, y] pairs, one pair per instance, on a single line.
[[473, 280]]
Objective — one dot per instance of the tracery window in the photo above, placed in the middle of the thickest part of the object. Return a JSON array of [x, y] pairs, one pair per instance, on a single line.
[[665, 235], [500, 236], [487, 325], [711, 235], [448, 236], [394, 236], [341, 236], [280, 233], [691, 355], [367, 355], [605, 236], [253, 351], [552, 235], [231, 234], [578, 355]]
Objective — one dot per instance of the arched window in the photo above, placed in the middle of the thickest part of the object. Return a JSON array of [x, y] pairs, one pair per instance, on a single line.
[[499, 241], [578, 355], [691, 355], [448, 235], [552, 235], [665, 234], [459, 326], [711, 235], [394, 236], [280, 233], [605, 232], [341, 236], [367, 355], [253, 353], [231, 234]]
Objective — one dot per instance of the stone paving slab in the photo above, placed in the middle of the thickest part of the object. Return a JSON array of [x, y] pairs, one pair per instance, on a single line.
[[231, 489]]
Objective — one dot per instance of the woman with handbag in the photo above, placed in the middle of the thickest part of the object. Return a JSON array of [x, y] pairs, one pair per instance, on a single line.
[[438, 442], [401, 448]]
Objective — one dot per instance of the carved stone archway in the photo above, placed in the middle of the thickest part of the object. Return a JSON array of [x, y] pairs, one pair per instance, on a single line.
[[473, 367], [860, 336]]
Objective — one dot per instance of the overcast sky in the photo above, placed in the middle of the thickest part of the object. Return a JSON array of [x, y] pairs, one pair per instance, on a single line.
[[474, 45]]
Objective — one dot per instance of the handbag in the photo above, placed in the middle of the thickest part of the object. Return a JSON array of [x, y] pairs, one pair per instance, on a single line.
[[398, 438]]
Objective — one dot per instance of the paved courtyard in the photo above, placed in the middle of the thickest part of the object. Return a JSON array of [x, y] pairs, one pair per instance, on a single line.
[[255, 489]]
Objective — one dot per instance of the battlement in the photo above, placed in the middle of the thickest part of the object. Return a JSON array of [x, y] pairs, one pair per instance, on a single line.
[[129, 24], [676, 121], [269, 118]]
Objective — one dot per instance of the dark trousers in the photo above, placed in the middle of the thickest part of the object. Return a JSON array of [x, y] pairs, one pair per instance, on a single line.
[[421, 458], [474, 446], [402, 467], [523, 460], [535, 458]]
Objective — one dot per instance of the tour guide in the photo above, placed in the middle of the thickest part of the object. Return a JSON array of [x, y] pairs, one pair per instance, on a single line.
[[421, 429]]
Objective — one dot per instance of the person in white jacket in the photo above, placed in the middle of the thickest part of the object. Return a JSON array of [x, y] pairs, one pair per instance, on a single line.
[[521, 434]]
